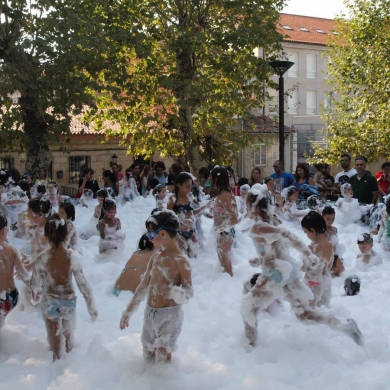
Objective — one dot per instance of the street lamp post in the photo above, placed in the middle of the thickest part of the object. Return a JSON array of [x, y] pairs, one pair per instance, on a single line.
[[281, 67]]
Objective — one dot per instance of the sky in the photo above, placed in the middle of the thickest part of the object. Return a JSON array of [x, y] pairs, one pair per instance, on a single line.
[[319, 8]]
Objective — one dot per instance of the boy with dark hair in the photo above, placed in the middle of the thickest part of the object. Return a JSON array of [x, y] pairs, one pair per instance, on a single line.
[[167, 282]]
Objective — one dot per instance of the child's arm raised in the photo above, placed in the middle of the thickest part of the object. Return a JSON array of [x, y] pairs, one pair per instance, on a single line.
[[137, 298], [182, 294], [83, 285]]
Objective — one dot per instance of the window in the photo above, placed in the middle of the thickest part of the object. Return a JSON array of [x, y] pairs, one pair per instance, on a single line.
[[286, 27], [320, 31], [311, 102], [326, 63], [260, 155], [77, 164], [311, 66], [303, 29], [6, 163], [293, 102], [293, 71]]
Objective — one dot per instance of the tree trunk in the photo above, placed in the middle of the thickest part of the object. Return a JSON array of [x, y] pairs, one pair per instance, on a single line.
[[35, 132]]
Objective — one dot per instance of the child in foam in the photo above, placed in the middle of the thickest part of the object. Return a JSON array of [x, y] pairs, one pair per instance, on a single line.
[[331, 235], [384, 227], [51, 285], [38, 212], [290, 210], [68, 213], [160, 194], [167, 284], [281, 272], [225, 217], [348, 209], [9, 263], [318, 278], [241, 200], [86, 199], [111, 235], [53, 194], [367, 257], [132, 274]]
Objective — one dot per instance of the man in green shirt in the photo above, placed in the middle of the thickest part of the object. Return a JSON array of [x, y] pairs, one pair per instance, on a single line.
[[365, 186]]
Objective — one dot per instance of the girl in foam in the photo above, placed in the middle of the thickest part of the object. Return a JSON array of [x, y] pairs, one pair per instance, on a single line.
[[384, 229], [111, 235], [367, 257], [348, 209], [182, 203], [68, 213], [53, 195], [51, 285], [290, 210], [38, 212], [241, 200], [225, 217], [127, 188], [318, 278], [281, 272]]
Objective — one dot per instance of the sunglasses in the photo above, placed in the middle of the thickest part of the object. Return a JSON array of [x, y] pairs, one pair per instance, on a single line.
[[343, 161], [152, 234]]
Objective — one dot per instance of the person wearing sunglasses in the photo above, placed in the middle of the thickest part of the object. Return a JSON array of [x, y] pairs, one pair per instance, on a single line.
[[281, 178], [347, 172], [167, 283]]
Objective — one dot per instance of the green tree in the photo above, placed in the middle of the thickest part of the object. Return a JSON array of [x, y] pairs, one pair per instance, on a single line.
[[359, 70], [50, 52], [191, 76]]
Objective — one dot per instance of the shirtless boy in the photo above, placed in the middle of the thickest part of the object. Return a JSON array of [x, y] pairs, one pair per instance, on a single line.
[[167, 282], [9, 262]]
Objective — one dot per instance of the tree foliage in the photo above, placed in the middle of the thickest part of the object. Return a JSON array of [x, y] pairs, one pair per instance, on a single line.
[[359, 70], [190, 76], [50, 54]]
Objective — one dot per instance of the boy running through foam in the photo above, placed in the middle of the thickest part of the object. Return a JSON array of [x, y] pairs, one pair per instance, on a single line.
[[167, 281]]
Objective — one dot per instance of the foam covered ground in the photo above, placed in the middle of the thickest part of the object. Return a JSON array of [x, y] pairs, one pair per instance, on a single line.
[[213, 352]]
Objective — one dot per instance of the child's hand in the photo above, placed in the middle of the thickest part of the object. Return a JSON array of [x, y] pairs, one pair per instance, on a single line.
[[178, 295], [124, 322]]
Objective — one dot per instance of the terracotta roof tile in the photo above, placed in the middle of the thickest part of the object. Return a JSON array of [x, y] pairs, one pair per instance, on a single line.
[[312, 24]]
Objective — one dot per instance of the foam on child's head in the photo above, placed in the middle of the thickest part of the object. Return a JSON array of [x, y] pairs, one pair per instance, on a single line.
[[102, 193], [245, 187], [108, 204], [260, 196], [365, 238], [287, 192], [344, 188]]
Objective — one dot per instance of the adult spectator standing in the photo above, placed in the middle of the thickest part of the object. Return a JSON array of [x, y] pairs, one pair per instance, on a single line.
[[281, 178], [42, 176], [118, 173], [158, 173], [365, 186], [255, 176], [383, 178], [88, 182], [136, 175], [346, 173]]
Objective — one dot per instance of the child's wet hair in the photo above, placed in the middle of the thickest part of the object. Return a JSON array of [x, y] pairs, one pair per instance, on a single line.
[[328, 210], [56, 229], [314, 221], [3, 221], [365, 238], [41, 189], [69, 210], [53, 183], [106, 205], [102, 193], [352, 285], [344, 187], [220, 179], [287, 192], [156, 190], [180, 179], [259, 196], [388, 204], [4, 177], [145, 244], [254, 278], [40, 206], [167, 220], [154, 183]]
